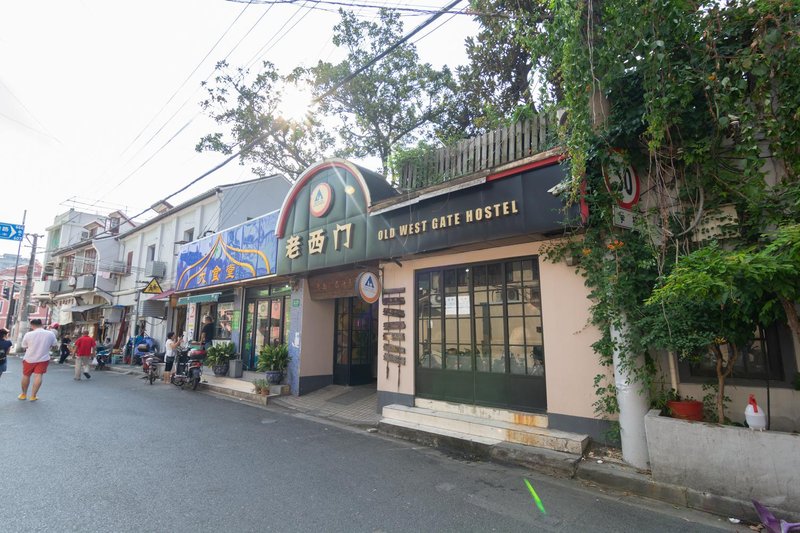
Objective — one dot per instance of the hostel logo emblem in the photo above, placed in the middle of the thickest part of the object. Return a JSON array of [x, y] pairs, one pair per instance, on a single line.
[[369, 287], [321, 200]]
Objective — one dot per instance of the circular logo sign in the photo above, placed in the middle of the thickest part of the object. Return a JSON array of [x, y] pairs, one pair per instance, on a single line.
[[368, 287], [321, 200], [621, 177]]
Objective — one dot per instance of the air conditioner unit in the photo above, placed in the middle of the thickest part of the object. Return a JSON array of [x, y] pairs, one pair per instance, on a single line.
[[85, 282], [53, 285], [155, 269], [84, 235], [118, 267]]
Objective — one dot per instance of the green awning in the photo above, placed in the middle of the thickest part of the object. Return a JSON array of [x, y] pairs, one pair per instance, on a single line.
[[199, 298]]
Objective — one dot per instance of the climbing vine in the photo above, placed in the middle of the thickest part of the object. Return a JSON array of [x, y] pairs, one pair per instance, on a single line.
[[704, 98]]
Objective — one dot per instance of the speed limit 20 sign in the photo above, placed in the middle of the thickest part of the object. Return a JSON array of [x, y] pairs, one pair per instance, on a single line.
[[621, 178]]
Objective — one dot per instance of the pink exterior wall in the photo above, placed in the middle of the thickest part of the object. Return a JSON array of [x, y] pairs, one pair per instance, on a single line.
[[570, 362]]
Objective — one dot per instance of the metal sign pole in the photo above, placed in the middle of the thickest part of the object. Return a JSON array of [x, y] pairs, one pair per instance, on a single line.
[[12, 309]]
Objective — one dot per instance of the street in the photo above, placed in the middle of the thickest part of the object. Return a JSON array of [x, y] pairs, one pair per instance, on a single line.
[[116, 454]]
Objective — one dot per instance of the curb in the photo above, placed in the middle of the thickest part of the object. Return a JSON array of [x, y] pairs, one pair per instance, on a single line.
[[571, 466]]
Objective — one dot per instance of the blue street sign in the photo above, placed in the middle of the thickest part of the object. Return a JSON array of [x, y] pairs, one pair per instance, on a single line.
[[11, 232]]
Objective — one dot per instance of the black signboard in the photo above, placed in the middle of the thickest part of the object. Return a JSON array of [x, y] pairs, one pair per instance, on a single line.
[[346, 233]]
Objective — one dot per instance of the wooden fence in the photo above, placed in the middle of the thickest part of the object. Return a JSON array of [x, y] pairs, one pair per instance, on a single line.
[[498, 147]]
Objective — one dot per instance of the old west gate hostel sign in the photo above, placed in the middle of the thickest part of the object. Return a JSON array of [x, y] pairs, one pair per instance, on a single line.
[[339, 215]]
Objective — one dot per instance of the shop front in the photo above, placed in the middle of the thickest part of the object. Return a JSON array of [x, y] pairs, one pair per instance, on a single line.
[[226, 276], [469, 311]]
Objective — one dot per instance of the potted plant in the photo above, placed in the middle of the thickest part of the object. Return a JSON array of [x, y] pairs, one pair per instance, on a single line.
[[261, 386], [218, 356], [273, 360]]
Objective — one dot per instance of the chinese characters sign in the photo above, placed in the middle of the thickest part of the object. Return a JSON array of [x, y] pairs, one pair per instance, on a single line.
[[245, 251]]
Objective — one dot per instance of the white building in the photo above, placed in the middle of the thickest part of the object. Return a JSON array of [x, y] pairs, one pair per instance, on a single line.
[[149, 251]]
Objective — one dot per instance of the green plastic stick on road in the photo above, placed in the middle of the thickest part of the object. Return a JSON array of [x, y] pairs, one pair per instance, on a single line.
[[535, 496]]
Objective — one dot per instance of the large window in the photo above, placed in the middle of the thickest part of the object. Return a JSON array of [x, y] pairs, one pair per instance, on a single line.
[[482, 317], [762, 358]]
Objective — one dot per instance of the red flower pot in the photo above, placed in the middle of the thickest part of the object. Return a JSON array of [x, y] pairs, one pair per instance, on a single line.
[[686, 409]]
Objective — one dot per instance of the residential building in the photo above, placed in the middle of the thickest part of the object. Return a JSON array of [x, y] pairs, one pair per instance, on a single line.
[[150, 250], [78, 282], [7, 280]]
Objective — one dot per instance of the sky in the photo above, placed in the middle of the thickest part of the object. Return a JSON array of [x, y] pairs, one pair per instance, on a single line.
[[99, 100]]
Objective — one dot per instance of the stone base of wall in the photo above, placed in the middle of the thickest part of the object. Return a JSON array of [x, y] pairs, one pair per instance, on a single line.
[[728, 461]]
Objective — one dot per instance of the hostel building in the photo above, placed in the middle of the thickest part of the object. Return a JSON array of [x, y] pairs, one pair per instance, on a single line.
[[439, 295]]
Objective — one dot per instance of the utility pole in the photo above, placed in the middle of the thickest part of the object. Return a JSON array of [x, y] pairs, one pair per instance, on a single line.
[[11, 307], [135, 318], [22, 321]]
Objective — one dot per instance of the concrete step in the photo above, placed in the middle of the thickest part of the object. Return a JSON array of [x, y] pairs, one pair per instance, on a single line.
[[492, 429], [492, 413], [472, 447]]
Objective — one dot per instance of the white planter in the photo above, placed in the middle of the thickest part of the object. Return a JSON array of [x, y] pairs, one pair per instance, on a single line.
[[727, 461]]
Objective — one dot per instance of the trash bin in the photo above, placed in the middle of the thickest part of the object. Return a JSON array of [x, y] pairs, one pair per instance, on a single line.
[[235, 368]]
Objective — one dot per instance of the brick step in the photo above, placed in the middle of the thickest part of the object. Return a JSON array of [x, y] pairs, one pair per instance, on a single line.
[[492, 413], [498, 430]]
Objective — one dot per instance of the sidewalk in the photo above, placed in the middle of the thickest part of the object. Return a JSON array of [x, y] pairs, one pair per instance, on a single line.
[[355, 406]]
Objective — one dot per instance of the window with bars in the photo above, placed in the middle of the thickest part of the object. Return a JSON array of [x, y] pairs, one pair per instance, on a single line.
[[481, 317]]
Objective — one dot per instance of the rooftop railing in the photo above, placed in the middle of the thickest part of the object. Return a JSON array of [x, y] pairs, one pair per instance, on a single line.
[[496, 148]]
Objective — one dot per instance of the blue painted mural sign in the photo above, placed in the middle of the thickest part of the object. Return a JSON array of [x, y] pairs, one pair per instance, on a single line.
[[242, 252]]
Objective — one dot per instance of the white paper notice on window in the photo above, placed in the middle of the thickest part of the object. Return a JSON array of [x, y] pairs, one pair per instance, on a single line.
[[457, 305]]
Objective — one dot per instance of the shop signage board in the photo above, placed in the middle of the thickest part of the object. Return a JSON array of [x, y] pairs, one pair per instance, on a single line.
[[347, 233], [242, 252], [333, 285]]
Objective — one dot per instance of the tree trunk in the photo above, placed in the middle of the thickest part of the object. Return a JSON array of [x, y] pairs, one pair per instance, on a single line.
[[723, 372], [792, 318]]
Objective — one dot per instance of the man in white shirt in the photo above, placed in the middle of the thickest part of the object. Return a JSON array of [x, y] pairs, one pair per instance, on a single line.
[[37, 343]]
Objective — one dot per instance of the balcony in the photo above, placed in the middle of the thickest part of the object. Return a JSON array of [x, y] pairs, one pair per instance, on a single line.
[[497, 148]]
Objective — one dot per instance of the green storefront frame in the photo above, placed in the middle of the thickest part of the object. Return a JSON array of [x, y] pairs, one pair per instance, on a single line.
[[478, 335]]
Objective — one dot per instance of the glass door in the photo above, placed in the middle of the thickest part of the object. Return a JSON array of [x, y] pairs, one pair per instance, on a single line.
[[355, 341]]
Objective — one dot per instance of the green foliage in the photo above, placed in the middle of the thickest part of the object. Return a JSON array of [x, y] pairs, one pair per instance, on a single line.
[[248, 106], [220, 353], [260, 385], [394, 102], [418, 156], [273, 358]]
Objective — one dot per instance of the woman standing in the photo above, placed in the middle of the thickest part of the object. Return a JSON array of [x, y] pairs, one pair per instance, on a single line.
[[171, 346]]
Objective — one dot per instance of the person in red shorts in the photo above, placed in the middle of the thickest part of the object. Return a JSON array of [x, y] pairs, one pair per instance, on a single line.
[[84, 350], [37, 343]]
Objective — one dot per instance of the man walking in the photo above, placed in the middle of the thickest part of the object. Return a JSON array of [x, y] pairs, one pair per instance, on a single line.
[[85, 348], [37, 343], [207, 333]]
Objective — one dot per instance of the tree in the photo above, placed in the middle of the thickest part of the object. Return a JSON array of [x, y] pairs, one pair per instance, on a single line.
[[250, 109], [393, 102], [497, 82]]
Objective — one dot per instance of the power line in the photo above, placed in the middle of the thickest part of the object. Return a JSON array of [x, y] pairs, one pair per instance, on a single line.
[[261, 50], [186, 80], [388, 51], [178, 110], [445, 21]]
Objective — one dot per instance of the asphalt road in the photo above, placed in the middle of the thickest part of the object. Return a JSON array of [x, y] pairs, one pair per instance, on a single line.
[[116, 454]]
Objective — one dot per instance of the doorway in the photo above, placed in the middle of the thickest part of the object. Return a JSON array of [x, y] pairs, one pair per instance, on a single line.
[[355, 352]]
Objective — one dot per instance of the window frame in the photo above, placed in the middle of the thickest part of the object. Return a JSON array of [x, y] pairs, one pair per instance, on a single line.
[[419, 339], [778, 345]]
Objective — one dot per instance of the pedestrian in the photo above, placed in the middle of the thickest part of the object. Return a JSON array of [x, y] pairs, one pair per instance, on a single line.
[[5, 347], [171, 346], [85, 348], [37, 343], [64, 350], [207, 333]]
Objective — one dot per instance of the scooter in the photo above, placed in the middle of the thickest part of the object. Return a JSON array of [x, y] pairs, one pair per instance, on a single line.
[[189, 366], [149, 365], [103, 355]]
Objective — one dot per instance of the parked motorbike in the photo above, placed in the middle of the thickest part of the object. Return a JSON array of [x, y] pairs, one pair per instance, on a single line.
[[103, 357], [149, 365], [189, 366]]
